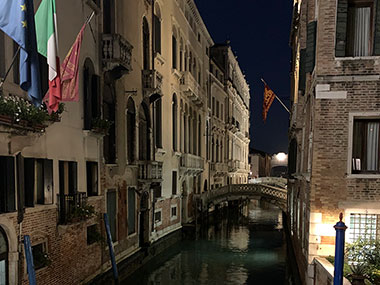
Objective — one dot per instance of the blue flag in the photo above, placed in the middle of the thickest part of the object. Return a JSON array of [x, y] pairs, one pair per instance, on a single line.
[[17, 21]]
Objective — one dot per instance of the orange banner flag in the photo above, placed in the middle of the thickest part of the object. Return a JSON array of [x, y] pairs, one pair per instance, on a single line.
[[268, 100], [69, 70]]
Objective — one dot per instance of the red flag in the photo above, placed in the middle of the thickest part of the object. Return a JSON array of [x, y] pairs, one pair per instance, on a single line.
[[54, 95], [69, 70], [268, 100]]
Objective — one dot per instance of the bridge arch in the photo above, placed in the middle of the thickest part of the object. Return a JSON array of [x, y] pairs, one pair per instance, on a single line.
[[271, 194]]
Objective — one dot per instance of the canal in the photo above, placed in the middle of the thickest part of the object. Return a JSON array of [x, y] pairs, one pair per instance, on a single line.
[[240, 247]]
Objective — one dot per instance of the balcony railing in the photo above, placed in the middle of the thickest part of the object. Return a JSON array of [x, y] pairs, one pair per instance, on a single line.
[[191, 88], [150, 170], [68, 205], [151, 81], [192, 162], [117, 51]]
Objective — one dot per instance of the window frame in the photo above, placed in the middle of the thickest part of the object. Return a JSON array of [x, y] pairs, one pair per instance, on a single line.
[[353, 4], [352, 117], [173, 217], [157, 223]]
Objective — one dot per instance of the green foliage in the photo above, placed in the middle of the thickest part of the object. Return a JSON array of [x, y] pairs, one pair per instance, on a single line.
[[346, 268], [19, 109], [81, 213], [101, 125], [364, 257]]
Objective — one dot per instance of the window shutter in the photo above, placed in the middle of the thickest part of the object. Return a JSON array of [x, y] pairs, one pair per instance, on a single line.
[[11, 195], [341, 28], [20, 187], [95, 97], [87, 98], [310, 46], [376, 48], [29, 181], [302, 73]]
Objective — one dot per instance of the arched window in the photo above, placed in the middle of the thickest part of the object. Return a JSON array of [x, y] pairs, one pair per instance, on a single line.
[[174, 50], [157, 109], [185, 126], [217, 150], [157, 28], [174, 122], [199, 136], [3, 257], [131, 130], [194, 68], [207, 142], [199, 74], [146, 36], [195, 133], [91, 106], [144, 141], [190, 122], [212, 150], [186, 58], [181, 55], [190, 62], [181, 127], [109, 113]]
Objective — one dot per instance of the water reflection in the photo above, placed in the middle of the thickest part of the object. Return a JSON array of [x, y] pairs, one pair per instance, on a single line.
[[239, 249]]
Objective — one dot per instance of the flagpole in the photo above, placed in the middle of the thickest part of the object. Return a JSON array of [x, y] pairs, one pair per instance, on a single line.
[[90, 17], [10, 67], [279, 100]]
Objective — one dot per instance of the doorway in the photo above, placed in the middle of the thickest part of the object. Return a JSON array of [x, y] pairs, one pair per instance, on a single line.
[[144, 220], [3, 258]]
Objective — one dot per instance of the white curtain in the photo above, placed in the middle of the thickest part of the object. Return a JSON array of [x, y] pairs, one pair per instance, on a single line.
[[373, 146], [362, 31]]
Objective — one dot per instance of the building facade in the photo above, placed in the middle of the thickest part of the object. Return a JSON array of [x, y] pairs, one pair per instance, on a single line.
[[333, 135], [148, 73]]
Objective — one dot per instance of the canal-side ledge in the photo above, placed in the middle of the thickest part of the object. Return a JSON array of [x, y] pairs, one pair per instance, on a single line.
[[134, 261]]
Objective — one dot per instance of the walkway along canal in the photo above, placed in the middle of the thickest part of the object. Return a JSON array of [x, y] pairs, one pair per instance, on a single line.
[[237, 246]]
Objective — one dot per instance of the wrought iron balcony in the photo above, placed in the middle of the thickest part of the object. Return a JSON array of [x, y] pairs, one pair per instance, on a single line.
[[191, 163], [150, 171], [117, 53], [191, 88], [68, 205], [151, 82]]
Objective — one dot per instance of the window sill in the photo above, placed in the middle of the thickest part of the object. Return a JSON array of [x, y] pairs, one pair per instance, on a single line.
[[159, 58], [356, 58], [365, 176], [177, 73], [94, 198]]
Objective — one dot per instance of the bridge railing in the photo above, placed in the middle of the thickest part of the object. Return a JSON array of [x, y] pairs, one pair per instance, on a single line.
[[268, 191]]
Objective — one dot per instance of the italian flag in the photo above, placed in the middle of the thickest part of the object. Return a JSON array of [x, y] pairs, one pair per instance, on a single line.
[[47, 45]]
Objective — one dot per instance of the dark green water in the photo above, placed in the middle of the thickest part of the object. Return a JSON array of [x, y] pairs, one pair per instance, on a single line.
[[237, 249]]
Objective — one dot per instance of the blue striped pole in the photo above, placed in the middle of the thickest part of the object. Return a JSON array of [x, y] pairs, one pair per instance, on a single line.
[[29, 261], [340, 229], [110, 247]]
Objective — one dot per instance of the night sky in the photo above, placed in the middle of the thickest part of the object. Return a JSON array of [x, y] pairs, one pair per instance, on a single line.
[[259, 35]]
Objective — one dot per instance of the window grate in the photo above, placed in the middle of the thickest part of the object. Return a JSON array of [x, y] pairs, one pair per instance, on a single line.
[[366, 226]]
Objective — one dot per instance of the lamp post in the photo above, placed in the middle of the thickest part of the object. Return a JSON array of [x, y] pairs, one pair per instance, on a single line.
[[340, 229]]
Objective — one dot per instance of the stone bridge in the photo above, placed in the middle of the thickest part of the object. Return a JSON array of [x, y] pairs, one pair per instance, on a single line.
[[258, 191]]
